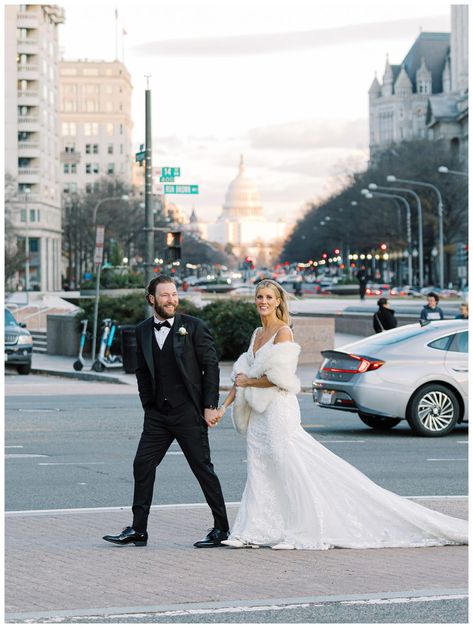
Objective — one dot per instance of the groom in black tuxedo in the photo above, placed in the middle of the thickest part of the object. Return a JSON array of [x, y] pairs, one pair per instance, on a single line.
[[178, 384]]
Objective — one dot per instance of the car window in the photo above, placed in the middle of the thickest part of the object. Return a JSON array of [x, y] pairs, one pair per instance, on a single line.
[[9, 318], [460, 343], [441, 343]]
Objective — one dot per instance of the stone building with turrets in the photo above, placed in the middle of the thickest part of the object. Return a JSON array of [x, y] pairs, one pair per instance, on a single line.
[[426, 96]]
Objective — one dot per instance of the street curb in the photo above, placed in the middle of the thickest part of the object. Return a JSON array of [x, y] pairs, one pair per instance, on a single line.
[[79, 375], [113, 380]]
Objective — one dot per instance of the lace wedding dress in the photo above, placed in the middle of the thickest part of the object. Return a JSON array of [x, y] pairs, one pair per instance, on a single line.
[[301, 494]]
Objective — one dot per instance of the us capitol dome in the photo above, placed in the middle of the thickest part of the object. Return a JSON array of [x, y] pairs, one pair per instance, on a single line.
[[243, 224], [242, 199]]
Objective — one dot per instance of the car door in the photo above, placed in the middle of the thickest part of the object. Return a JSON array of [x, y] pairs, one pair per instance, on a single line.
[[456, 362]]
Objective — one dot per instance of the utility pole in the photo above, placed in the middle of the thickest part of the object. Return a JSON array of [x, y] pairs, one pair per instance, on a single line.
[[149, 218]]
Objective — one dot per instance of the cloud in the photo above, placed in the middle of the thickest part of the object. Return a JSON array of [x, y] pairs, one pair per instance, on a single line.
[[269, 43], [312, 134]]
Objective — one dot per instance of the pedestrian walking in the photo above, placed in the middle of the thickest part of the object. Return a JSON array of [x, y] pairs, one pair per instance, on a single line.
[[463, 314], [362, 277], [384, 318], [432, 311]]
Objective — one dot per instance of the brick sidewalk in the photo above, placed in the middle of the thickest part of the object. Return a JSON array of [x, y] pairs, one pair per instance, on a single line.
[[56, 562]]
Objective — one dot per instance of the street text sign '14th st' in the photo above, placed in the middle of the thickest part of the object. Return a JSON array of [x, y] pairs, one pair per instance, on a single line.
[[181, 189]]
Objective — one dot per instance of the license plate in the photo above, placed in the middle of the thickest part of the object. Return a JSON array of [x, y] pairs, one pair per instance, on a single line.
[[326, 397]]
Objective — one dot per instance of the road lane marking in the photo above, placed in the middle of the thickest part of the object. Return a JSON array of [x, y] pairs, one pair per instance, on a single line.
[[26, 456], [341, 441], [463, 441], [446, 459], [57, 464], [55, 511], [13, 446]]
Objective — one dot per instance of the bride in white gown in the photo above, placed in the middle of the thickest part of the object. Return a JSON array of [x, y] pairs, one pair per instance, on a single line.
[[298, 494]]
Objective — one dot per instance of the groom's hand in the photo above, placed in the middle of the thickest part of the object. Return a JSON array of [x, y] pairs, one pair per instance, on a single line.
[[210, 416]]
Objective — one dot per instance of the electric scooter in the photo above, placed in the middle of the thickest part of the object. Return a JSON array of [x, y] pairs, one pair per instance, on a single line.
[[79, 363], [105, 358]]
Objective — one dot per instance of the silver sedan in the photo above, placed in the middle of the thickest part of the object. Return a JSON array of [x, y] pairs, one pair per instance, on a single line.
[[416, 372]]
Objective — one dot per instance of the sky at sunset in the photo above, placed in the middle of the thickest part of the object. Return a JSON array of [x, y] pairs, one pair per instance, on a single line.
[[283, 83]]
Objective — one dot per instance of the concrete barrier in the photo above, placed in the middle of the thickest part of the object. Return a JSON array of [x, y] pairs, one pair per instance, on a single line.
[[314, 334]]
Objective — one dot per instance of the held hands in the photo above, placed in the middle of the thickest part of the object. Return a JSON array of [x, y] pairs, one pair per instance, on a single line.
[[211, 416], [242, 380]]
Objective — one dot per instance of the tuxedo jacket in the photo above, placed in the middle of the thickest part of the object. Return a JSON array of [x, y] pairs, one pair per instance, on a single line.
[[196, 358]]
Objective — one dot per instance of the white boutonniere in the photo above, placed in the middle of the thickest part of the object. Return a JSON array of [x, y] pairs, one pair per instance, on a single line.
[[182, 331]]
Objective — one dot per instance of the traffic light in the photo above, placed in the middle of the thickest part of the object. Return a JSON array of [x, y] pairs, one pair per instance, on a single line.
[[336, 251], [383, 246], [173, 244]]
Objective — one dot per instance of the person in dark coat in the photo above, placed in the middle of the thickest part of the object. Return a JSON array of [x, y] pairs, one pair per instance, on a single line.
[[384, 318], [362, 277]]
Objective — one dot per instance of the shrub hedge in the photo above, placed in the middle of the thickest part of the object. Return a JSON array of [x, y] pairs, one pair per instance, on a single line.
[[231, 322]]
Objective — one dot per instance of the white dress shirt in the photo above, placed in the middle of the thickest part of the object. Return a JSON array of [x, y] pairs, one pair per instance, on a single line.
[[162, 334]]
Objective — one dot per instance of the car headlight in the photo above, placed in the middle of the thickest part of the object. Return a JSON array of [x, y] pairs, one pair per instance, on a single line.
[[25, 339]]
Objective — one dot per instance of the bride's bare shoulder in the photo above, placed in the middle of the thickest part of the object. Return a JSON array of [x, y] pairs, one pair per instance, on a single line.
[[284, 334]]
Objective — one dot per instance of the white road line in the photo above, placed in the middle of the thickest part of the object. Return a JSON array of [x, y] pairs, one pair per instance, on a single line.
[[446, 459], [57, 464], [26, 456], [13, 446], [463, 441], [341, 441], [407, 600], [58, 511]]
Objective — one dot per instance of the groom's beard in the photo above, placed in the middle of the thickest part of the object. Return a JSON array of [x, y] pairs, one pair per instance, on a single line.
[[164, 313]]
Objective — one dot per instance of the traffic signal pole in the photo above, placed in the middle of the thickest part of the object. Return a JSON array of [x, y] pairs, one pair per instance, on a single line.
[[149, 218]]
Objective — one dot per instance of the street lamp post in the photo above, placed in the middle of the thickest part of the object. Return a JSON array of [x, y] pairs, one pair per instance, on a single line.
[[373, 186], [445, 170], [98, 268], [27, 243], [391, 178], [370, 194]]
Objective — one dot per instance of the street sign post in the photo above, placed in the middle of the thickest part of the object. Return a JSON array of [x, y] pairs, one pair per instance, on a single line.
[[140, 156], [166, 171], [181, 189]]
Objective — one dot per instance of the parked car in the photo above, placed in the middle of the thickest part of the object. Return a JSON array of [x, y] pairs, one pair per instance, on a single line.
[[18, 344], [417, 373]]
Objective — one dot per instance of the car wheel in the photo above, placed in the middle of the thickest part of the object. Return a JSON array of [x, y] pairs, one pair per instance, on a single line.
[[98, 367], [433, 411], [24, 369], [378, 422]]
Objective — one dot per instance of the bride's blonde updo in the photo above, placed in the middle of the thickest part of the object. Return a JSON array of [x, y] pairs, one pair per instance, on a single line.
[[282, 310]]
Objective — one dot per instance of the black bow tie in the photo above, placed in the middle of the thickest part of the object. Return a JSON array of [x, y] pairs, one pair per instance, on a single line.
[[159, 326]]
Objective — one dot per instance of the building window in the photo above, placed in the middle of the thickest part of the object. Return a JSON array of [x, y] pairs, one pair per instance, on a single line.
[[110, 149], [90, 106], [91, 128], [70, 148], [108, 106], [66, 168], [121, 129], [34, 245], [32, 215], [91, 168], [92, 149], [90, 72], [121, 149], [96, 187], [109, 128], [110, 168], [88, 188], [23, 215]]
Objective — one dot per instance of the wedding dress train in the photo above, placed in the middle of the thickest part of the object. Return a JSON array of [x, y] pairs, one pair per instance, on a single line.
[[300, 494]]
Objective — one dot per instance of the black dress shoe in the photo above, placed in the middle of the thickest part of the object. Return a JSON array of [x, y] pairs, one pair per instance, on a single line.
[[213, 539], [128, 536]]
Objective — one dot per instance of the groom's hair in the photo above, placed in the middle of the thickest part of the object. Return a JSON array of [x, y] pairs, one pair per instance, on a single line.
[[151, 288]]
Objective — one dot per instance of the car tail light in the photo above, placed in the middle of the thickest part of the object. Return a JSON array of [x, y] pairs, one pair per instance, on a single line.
[[353, 364]]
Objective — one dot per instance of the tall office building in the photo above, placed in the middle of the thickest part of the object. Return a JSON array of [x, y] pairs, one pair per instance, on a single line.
[[32, 141], [96, 126]]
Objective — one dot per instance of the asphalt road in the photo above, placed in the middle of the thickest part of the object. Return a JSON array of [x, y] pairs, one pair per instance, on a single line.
[[76, 450]]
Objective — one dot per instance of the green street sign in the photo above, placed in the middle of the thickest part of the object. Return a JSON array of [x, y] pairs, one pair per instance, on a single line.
[[140, 156], [166, 179], [181, 189], [166, 171]]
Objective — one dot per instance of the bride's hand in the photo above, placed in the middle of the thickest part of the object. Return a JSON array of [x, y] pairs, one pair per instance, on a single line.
[[241, 380]]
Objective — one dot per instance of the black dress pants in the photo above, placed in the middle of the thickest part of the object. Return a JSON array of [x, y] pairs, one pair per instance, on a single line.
[[161, 427]]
